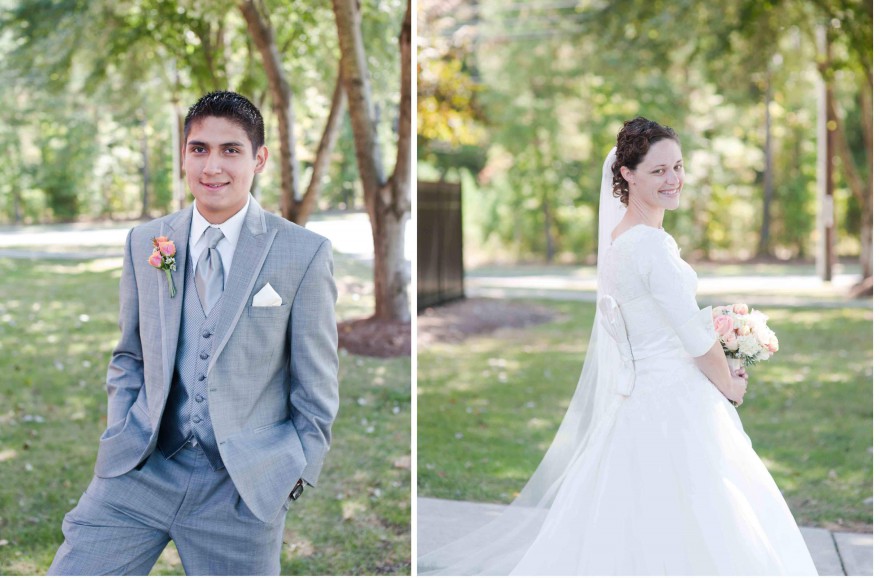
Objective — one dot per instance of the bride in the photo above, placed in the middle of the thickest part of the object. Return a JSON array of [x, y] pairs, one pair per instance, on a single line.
[[650, 472]]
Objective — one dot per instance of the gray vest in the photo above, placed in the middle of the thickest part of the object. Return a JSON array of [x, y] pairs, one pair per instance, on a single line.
[[186, 417]]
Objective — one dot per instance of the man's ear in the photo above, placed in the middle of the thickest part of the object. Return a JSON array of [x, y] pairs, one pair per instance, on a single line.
[[262, 157]]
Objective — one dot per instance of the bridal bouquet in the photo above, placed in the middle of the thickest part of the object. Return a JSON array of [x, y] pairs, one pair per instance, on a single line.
[[744, 336]]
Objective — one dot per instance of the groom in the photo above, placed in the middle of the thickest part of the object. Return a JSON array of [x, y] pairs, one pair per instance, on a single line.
[[222, 388]]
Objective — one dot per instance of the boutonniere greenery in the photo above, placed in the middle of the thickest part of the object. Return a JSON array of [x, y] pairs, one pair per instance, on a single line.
[[163, 259]]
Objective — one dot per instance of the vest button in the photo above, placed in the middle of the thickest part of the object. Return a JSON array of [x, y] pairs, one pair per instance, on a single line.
[[202, 377], [197, 419], [199, 398], [204, 355], [206, 334]]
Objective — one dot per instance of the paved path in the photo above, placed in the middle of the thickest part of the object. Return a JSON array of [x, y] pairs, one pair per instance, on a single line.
[[349, 233], [835, 553], [756, 290]]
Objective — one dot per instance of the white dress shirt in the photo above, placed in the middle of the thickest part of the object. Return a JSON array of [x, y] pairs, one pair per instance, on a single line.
[[231, 230]]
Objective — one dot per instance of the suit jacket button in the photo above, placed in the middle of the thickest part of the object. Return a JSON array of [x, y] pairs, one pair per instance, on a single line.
[[204, 355]]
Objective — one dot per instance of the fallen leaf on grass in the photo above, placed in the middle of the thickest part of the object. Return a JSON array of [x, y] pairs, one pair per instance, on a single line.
[[301, 548], [351, 509]]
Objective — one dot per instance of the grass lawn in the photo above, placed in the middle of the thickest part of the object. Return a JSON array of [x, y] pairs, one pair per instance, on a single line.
[[489, 406], [57, 329]]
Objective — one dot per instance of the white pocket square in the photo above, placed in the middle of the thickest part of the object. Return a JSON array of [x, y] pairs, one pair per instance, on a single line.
[[267, 297]]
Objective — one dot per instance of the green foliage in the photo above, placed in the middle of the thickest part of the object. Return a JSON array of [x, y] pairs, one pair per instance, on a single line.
[[551, 83], [489, 407], [99, 68]]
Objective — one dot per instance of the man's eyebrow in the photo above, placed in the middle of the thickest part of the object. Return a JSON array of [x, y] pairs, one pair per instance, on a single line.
[[204, 144]]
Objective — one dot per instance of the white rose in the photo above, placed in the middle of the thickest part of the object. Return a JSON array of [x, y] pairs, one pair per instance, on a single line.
[[748, 345], [759, 317], [763, 334]]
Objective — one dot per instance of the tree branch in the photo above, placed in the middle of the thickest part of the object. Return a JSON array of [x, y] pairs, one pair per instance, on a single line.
[[303, 208]]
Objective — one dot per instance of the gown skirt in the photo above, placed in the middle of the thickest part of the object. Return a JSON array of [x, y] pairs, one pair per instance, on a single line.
[[669, 485]]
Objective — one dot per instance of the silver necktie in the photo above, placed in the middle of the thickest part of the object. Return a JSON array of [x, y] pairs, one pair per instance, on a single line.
[[209, 271]]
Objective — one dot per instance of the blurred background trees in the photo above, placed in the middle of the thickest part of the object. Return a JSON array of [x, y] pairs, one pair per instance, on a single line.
[[521, 102], [95, 92]]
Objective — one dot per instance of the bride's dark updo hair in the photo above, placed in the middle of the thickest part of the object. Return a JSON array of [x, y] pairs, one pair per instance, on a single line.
[[633, 141]]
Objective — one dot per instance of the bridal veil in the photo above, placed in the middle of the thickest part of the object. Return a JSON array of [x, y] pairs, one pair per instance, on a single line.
[[497, 547]]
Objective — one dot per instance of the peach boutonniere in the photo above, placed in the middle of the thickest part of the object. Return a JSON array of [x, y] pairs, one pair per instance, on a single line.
[[163, 259]]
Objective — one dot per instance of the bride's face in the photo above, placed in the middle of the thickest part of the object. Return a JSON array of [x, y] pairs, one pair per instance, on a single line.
[[657, 180]]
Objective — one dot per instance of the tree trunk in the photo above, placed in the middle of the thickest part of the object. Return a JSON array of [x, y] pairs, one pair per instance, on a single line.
[[213, 47], [179, 201], [388, 203], [16, 206], [764, 244], [549, 245], [260, 30], [796, 154], [867, 222], [862, 191], [145, 170], [303, 208]]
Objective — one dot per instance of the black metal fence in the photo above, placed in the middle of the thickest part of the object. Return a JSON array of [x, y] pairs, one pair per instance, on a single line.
[[440, 274]]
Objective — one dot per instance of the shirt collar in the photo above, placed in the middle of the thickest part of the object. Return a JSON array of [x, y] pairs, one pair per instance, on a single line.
[[231, 227]]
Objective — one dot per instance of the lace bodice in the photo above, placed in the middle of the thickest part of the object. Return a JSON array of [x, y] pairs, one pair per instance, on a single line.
[[655, 291]]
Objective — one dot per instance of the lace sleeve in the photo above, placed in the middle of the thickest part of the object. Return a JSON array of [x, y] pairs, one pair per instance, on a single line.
[[672, 284]]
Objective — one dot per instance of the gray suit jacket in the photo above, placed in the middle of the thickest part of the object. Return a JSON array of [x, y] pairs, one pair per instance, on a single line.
[[271, 382]]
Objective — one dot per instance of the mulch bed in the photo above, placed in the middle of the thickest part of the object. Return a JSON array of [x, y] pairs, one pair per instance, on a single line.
[[375, 337], [450, 323], [455, 322]]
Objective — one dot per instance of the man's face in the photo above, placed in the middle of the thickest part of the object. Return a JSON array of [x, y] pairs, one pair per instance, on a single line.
[[220, 165]]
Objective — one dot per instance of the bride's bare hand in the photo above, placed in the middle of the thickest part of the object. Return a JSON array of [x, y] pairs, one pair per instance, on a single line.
[[740, 372], [737, 389]]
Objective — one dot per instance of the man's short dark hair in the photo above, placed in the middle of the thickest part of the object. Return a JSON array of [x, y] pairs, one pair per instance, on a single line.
[[231, 106]]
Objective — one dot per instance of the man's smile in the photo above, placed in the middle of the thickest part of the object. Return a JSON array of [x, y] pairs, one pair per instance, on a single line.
[[213, 186]]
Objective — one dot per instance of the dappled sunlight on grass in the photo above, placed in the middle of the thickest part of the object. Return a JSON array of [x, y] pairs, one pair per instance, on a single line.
[[6, 455], [58, 326], [808, 412], [80, 267]]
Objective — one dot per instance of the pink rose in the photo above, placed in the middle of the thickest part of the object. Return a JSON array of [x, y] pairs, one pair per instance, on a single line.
[[723, 324], [167, 248], [774, 344], [155, 259], [741, 309], [730, 341]]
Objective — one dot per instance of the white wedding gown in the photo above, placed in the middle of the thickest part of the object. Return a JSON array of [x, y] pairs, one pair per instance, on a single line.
[[668, 483]]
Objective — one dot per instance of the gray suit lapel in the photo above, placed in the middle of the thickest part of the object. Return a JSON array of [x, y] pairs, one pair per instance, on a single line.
[[250, 254], [178, 229]]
